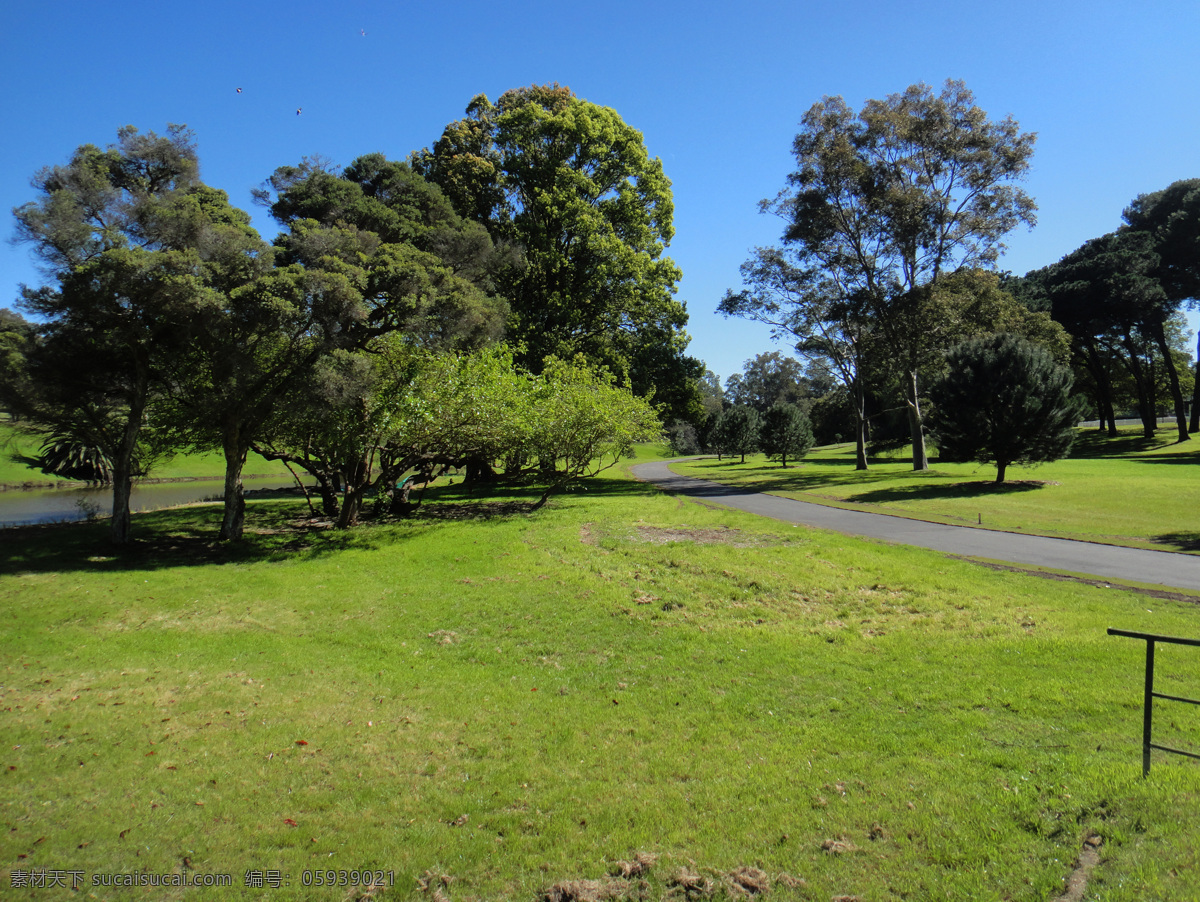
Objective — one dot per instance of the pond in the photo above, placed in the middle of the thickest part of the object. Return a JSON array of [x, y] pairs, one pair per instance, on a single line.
[[25, 506]]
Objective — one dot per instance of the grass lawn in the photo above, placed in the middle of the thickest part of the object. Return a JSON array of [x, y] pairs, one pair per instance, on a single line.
[[210, 465], [1124, 491], [520, 702]]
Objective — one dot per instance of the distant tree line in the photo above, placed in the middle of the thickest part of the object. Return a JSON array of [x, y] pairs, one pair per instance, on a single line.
[[498, 303]]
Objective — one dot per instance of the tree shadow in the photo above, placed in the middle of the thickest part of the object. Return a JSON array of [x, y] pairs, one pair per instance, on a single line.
[[795, 478], [276, 529], [1183, 541], [943, 491], [1093, 445]]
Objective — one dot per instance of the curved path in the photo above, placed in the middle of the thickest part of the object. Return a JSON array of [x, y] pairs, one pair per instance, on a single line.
[[1136, 565]]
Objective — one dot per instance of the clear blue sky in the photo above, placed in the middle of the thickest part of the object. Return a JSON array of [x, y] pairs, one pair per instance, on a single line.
[[1111, 88]]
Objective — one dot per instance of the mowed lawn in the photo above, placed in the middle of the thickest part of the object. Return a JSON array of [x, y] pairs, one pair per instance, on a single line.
[[623, 688], [1124, 491]]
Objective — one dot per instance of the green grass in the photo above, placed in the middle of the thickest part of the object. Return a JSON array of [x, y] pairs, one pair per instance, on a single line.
[[620, 672], [1123, 491], [210, 465]]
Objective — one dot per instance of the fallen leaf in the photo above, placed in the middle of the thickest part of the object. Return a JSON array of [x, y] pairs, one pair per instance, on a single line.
[[290, 822], [301, 742]]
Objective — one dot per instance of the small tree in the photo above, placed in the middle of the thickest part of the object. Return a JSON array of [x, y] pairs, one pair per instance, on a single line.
[[1005, 400], [737, 431], [786, 432]]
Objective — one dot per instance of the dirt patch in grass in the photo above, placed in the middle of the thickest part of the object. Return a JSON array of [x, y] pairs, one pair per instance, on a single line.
[[722, 535], [1089, 857], [588, 890], [474, 510]]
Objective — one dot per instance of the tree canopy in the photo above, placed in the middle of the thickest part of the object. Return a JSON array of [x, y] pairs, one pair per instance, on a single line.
[[126, 279], [573, 187]]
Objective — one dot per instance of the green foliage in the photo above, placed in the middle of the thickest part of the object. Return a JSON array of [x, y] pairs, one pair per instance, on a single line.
[[767, 380], [786, 432], [1109, 295], [573, 186], [737, 431], [107, 227], [1005, 400], [583, 421]]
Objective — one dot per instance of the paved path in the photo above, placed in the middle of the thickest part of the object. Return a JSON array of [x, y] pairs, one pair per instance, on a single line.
[[1136, 565]]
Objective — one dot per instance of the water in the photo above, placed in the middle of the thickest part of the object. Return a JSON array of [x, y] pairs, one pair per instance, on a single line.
[[23, 506]]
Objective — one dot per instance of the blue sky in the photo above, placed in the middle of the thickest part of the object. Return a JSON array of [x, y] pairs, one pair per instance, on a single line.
[[1111, 88]]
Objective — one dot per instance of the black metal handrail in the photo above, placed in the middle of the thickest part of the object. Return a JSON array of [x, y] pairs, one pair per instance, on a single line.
[[1150, 695]]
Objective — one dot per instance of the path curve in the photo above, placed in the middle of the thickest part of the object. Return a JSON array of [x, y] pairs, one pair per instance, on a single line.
[[1137, 565]]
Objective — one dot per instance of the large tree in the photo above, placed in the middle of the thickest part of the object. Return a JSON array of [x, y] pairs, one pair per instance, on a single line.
[[887, 202], [122, 287], [368, 251], [1003, 399], [572, 185]]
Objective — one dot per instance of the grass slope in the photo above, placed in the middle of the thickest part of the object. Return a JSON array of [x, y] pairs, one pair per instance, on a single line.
[[515, 701], [210, 465], [1129, 490]]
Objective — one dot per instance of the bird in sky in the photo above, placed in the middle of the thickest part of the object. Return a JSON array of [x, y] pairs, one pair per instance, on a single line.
[[239, 90], [297, 111], [363, 32]]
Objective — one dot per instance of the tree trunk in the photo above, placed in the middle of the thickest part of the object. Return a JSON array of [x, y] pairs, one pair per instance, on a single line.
[[358, 477], [121, 525], [1105, 411], [1001, 466], [1181, 424], [860, 415], [233, 520], [1194, 423], [1145, 398], [119, 528], [915, 427]]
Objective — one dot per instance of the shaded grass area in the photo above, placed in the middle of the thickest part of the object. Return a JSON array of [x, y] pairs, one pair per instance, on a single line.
[[517, 701], [1126, 490]]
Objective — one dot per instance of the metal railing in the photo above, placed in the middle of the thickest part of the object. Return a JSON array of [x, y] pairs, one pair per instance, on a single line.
[[1150, 695]]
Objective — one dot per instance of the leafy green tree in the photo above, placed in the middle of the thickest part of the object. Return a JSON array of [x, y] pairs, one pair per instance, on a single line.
[[124, 287], [584, 422], [1004, 399], [886, 203], [370, 251], [786, 432], [573, 186], [737, 431]]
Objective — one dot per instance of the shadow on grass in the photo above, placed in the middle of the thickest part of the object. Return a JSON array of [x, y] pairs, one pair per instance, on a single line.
[[797, 477], [1182, 541], [275, 529], [1134, 445], [946, 490]]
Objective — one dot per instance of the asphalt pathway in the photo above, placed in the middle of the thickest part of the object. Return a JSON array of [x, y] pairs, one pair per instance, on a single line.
[[1137, 565]]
